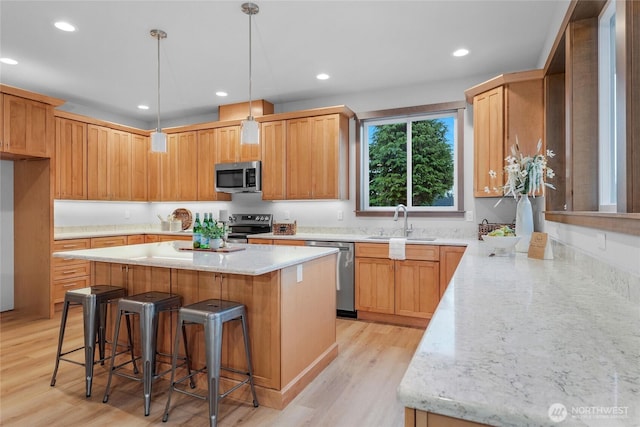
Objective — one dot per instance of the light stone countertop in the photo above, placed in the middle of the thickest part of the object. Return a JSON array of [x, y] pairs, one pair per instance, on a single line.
[[252, 260], [513, 336]]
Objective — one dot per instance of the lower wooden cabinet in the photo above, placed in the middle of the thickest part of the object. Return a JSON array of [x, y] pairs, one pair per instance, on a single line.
[[402, 291], [418, 418], [68, 273]]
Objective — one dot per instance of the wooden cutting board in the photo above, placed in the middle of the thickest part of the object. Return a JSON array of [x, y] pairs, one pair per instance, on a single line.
[[235, 249]]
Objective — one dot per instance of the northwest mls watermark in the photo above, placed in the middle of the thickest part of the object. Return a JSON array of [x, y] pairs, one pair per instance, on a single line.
[[558, 412]]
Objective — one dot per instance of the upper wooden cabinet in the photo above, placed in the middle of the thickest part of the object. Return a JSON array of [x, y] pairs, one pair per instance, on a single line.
[[305, 157], [174, 175], [506, 108], [27, 123], [274, 154], [108, 163], [71, 159], [207, 157]]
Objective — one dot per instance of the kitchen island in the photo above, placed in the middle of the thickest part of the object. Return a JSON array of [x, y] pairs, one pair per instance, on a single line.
[[524, 342], [289, 293]]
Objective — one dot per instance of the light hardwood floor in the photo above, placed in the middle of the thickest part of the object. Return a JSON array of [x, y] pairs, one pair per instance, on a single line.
[[357, 389]]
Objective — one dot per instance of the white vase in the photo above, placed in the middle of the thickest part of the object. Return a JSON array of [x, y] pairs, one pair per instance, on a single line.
[[524, 223], [215, 243]]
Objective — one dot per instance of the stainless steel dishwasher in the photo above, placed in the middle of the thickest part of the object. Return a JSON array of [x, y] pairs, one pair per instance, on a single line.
[[345, 293]]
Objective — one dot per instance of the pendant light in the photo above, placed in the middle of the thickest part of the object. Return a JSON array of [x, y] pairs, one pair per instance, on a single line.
[[250, 130], [158, 138]]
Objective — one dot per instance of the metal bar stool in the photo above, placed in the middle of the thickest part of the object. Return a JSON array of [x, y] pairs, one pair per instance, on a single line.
[[94, 301], [148, 306], [212, 314]]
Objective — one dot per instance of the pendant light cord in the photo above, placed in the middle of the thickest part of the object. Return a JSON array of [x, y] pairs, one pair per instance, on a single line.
[[250, 45], [158, 111]]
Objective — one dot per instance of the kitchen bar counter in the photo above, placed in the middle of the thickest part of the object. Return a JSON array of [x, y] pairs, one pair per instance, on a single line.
[[514, 338], [289, 293], [251, 260]]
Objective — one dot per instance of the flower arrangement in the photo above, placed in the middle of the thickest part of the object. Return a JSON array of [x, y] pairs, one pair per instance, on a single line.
[[525, 174]]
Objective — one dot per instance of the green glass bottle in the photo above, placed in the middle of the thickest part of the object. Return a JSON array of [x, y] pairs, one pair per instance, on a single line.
[[204, 239], [197, 232]]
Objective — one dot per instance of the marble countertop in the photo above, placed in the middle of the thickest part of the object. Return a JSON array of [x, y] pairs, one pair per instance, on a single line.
[[515, 339], [252, 260]]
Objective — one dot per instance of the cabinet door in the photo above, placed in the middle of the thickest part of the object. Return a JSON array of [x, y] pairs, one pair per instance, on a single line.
[[228, 144], [135, 239], [71, 159], [97, 163], [28, 127], [155, 179], [140, 146], [325, 156], [287, 242], [298, 183], [488, 136], [186, 173], [450, 257], [273, 160], [417, 291], [524, 116], [119, 152], [375, 285], [206, 160]]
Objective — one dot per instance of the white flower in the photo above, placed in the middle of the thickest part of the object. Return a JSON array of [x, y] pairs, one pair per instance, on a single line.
[[486, 190], [550, 154], [525, 174], [492, 173]]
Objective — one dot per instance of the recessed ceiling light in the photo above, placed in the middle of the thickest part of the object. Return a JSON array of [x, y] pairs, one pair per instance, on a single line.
[[322, 76], [8, 61], [461, 52], [65, 26], [221, 93], [143, 107]]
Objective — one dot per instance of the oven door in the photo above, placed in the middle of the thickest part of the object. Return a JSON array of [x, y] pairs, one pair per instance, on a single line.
[[237, 238]]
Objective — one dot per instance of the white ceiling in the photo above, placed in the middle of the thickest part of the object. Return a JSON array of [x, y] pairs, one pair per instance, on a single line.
[[109, 63]]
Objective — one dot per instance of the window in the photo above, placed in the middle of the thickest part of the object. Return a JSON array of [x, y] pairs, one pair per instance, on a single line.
[[411, 157], [607, 109]]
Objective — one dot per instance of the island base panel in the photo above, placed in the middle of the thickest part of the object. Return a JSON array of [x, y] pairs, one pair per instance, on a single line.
[[418, 418]]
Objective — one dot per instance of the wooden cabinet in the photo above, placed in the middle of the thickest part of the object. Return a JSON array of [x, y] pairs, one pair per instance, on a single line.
[[256, 241], [418, 418], [450, 257], [397, 291], [27, 127], [173, 175], [68, 273], [71, 159], [207, 157], [305, 157], [135, 239], [108, 163], [288, 242], [140, 147], [155, 238], [274, 167], [508, 107], [108, 241]]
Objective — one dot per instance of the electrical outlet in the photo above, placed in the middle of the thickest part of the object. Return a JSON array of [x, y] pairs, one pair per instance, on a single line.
[[340, 215], [299, 273], [286, 215], [601, 241], [127, 214], [468, 216]]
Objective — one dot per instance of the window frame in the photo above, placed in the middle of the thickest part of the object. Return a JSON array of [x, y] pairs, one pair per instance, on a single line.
[[457, 108]]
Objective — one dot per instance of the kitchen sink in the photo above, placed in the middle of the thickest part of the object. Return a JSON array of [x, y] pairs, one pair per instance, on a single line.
[[412, 238]]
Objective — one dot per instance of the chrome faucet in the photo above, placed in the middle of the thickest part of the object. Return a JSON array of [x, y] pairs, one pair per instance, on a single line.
[[405, 229]]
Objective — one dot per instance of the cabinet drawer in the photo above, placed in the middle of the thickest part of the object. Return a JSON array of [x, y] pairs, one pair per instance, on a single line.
[[62, 286], [135, 239], [105, 242], [62, 272], [71, 245], [412, 252]]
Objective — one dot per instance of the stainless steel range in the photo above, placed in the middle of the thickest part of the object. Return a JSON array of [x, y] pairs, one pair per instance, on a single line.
[[244, 225]]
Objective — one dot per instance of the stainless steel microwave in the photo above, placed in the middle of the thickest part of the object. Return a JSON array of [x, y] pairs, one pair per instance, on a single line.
[[241, 177]]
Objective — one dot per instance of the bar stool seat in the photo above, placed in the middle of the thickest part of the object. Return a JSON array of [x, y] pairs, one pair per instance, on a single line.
[[147, 306], [94, 301], [212, 313]]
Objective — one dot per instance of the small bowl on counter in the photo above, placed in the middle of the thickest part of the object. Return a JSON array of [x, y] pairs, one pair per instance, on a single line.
[[501, 245]]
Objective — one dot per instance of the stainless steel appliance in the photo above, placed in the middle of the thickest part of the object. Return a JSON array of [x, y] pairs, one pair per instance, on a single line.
[[241, 177], [345, 293], [244, 225]]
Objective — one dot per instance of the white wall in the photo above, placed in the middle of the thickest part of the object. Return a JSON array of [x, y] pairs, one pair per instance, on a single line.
[[6, 235]]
